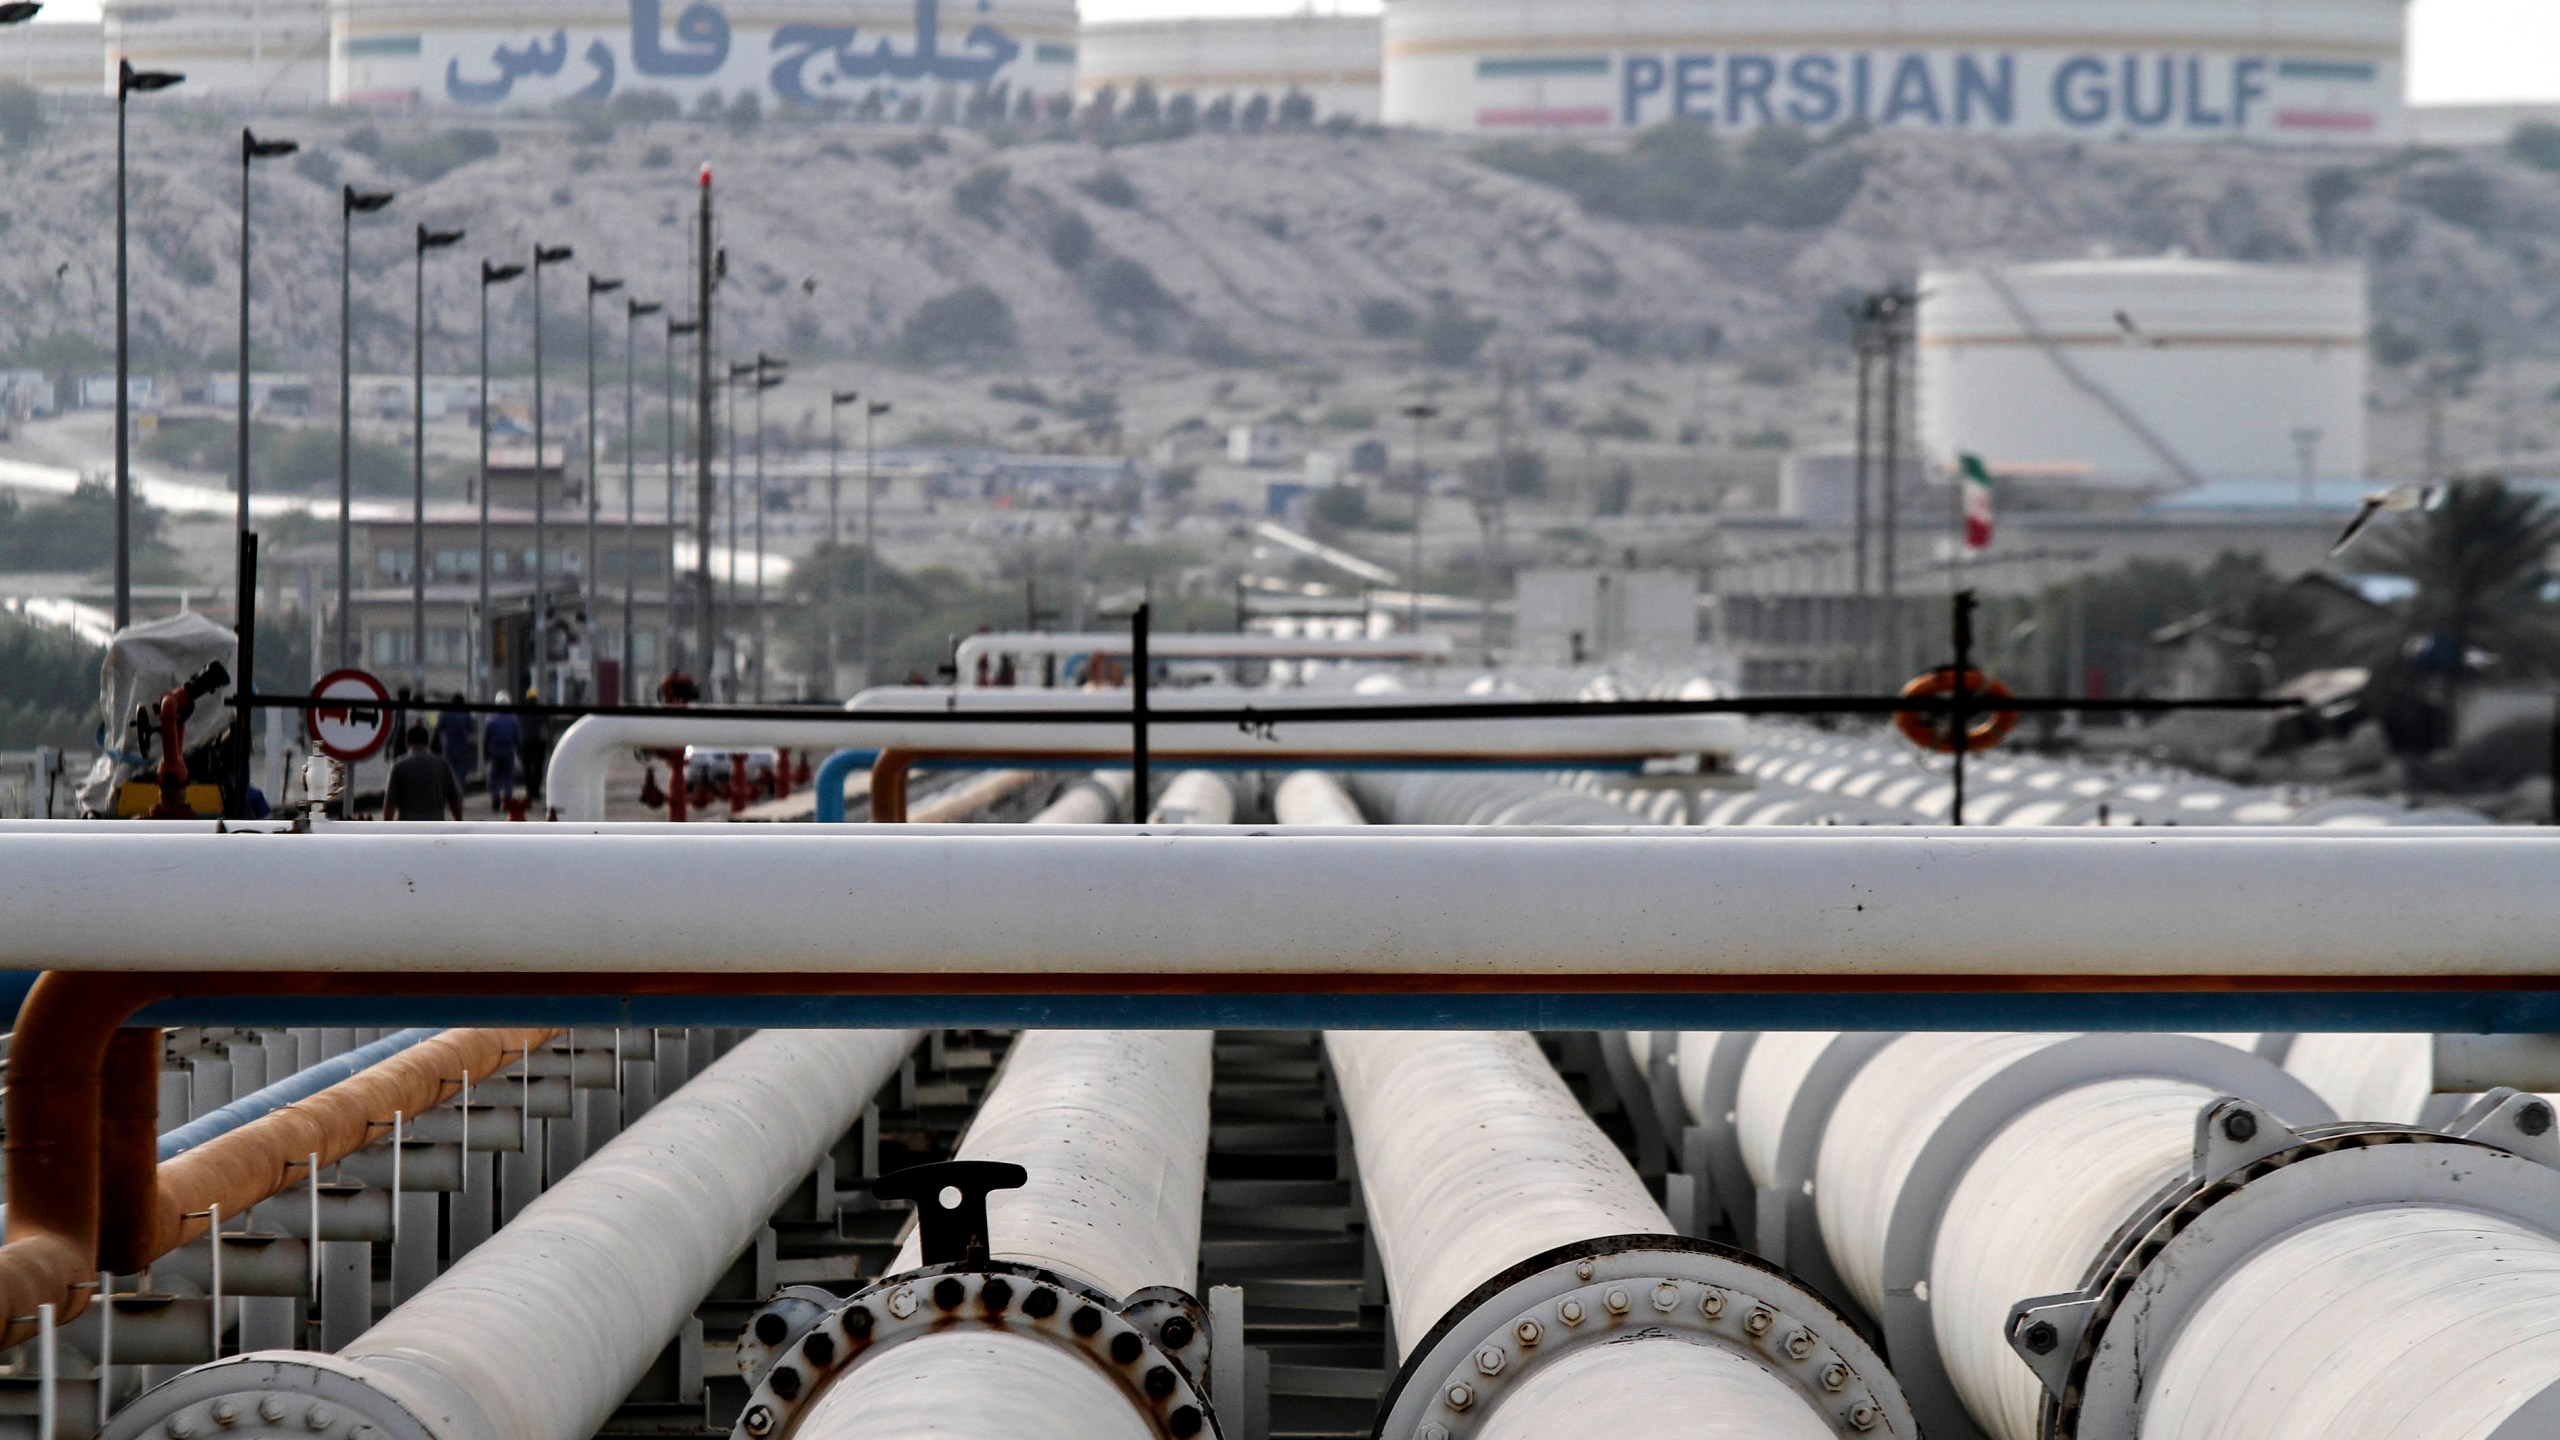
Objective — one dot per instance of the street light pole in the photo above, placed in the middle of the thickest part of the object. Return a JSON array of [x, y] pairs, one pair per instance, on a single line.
[[870, 538], [427, 240], [251, 149], [1420, 415], [489, 275], [542, 255], [738, 370], [589, 582], [351, 203], [128, 82], [676, 329], [766, 377], [632, 314], [836, 401]]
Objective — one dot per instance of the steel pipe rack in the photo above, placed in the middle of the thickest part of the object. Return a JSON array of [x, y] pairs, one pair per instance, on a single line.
[[541, 1330]]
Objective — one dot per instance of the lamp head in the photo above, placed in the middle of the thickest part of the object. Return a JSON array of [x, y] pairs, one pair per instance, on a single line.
[[131, 81], [363, 202], [437, 239], [683, 327], [498, 274], [844, 397], [17, 10], [253, 148], [552, 255], [645, 307], [599, 286]]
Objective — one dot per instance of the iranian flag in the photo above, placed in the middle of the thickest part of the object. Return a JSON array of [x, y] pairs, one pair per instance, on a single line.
[[1976, 481]]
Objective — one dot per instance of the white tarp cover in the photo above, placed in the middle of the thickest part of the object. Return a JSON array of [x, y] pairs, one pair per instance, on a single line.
[[145, 662]]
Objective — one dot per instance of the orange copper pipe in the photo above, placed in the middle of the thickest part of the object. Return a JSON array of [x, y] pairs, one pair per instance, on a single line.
[[264, 1157], [86, 1190]]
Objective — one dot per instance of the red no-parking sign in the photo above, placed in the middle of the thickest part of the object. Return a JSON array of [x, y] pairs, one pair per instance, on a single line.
[[356, 727]]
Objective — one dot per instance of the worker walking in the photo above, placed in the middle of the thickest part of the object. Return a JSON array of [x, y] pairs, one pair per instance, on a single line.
[[422, 786], [458, 736], [499, 740]]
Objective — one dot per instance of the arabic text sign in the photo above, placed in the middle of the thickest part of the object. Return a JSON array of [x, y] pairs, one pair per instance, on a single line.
[[1023, 47], [356, 729]]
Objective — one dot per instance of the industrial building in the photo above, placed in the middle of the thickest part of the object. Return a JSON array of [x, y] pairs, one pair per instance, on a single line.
[[2311, 70], [1329, 61]]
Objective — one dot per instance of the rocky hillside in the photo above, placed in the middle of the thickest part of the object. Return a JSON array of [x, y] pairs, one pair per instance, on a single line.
[[1213, 249]]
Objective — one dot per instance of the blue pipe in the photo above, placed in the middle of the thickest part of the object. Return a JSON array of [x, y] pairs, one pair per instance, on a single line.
[[830, 782], [831, 775], [298, 1086]]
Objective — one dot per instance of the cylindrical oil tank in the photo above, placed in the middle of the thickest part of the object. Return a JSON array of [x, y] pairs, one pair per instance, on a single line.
[[2146, 374], [1329, 60], [2175, 69]]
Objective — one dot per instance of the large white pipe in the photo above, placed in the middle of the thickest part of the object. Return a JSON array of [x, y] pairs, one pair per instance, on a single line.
[[1847, 906], [1433, 649], [968, 1384], [2367, 1077], [1655, 1390], [1113, 1128], [1474, 1157], [2036, 1206], [1098, 799], [1311, 797], [541, 1331], [1196, 797], [579, 758], [1772, 1075], [2417, 1322]]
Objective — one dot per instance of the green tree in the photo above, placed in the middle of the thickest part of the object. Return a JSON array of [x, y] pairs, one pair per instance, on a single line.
[[51, 697], [968, 324], [2479, 562]]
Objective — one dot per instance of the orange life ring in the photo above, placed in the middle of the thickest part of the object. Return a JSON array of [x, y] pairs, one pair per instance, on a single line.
[[1930, 730]]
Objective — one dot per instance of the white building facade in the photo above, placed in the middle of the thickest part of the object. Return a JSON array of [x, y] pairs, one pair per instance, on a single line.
[[1332, 60]]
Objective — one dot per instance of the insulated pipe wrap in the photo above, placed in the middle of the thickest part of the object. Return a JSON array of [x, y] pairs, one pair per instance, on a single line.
[[1311, 797], [1655, 1388], [1196, 797], [1770, 1079], [1098, 799], [1884, 1120], [2034, 1210], [1697, 1051], [1474, 1156], [1113, 1126], [540, 1332], [2420, 1322], [2367, 1077], [974, 1385]]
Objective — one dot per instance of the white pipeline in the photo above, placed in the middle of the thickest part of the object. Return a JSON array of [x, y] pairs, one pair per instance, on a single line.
[[1311, 797], [1196, 797], [1885, 1118], [1024, 645], [1473, 1157], [1113, 1127], [1098, 799], [2035, 1207], [1772, 1075], [1655, 1389], [1846, 905], [2367, 1077], [2420, 1322], [966, 1384]]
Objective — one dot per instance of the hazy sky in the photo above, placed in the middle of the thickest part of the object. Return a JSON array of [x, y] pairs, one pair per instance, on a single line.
[[2459, 49]]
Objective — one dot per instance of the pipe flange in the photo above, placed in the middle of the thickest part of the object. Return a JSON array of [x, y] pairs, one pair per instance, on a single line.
[[272, 1396], [1911, 1235], [2253, 1182], [1633, 1286], [1018, 1299]]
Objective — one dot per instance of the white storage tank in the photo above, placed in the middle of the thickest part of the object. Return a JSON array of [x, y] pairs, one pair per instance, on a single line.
[[64, 57], [271, 52], [1332, 60], [2180, 69], [919, 59], [2146, 373]]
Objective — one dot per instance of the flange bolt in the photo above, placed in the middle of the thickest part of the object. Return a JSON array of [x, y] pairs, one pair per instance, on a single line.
[[2041, 1337], [2534, 1119], [2240, 1127]]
